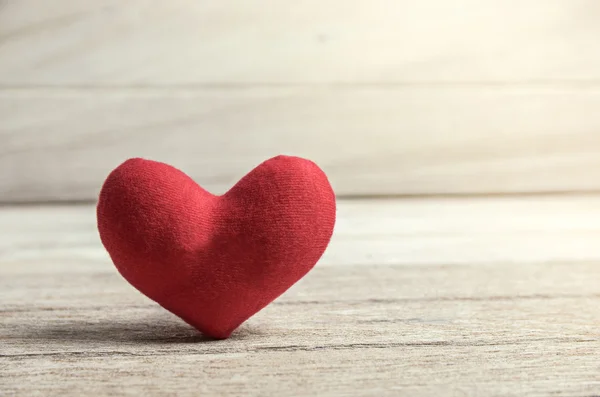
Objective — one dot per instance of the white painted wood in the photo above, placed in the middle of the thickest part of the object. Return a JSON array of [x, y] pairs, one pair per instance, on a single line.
[[435, 231], [155, 42], [390, 97], [61, 144], [473, 305]]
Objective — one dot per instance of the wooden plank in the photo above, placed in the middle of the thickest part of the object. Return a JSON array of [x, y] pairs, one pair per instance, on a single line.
[[116, 342], [144, 42], [386, 370], [61, 144], [448, 231], [374, 326]]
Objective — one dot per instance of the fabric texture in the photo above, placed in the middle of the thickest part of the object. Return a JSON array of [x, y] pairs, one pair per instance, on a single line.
[[214, 260]]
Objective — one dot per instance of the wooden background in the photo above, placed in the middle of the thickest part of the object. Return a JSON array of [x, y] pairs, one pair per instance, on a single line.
[[414, 297], [390, 97], [460, 294]]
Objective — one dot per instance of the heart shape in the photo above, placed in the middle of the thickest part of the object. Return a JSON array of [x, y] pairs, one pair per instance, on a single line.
[[214, 260]]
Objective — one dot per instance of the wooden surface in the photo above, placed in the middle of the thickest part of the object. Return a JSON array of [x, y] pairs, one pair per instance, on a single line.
[[181, 42], [61, 144], [397, 97], [445, 297]]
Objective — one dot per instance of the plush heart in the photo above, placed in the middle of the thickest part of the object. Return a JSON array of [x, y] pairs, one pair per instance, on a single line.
[[214, 260]]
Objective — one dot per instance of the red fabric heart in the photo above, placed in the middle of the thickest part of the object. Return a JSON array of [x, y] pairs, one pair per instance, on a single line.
[[213, 260]]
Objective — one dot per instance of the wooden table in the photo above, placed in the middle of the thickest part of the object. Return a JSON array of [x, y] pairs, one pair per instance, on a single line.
[[415, 297]]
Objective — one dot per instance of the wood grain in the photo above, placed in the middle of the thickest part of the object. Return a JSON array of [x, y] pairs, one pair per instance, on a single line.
[[437, 231], [503, 315], [153, 42], [60, 144], [390, 97]]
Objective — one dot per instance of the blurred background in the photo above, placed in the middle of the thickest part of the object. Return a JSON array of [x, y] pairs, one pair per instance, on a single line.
[[389, 97]]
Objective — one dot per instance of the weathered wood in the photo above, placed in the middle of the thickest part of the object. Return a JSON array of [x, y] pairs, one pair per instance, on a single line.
[[368, 232], [141, 42], [61, 144], [382, 314], [389, 96]]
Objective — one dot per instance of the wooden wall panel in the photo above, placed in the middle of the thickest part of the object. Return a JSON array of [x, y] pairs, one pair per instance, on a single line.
[[60, 145], [155, 42], [388, 96]]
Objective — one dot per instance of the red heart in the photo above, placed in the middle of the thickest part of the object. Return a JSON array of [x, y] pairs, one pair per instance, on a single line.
[[213, 260]]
